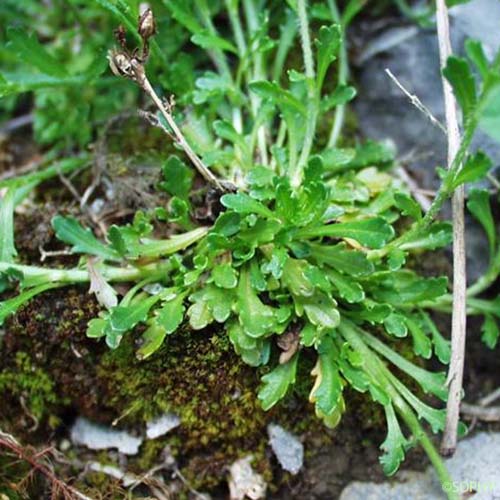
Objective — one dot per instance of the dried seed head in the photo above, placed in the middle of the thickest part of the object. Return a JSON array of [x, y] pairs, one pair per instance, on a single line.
[[120, 64], [147, 25], [120, 36]]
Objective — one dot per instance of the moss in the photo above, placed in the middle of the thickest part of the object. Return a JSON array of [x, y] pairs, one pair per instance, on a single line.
[[30, 384], [196, 375], [40, 363]]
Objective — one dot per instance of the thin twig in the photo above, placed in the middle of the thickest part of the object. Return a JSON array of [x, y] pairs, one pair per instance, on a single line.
[[25, 169], [195, 493], [417, 102], [8, 442], [490, 414], [69, 186], [74, 192], [258, 73], [153, 120], [494, 181], [418, 193], [100, 155], [197, 162], [342, 76], [459, 315], [479, 410], [16, 123], [489, 398]]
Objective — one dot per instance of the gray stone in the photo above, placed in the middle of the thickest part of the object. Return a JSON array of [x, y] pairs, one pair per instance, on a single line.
[[288, 449], [479, 20], [114, 472], [384, 112], [161, 425], [474, 468], [98, 437], [244, 482]]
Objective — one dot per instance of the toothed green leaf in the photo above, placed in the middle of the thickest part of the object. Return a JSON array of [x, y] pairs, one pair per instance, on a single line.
[[171, 313], [210, 41], [476, 54], [320, 309], [225, 276], [178, 178], [282, 98], [30, 51], [7, 249], [327, 44], [256, 318], [474, 169], [348, 289], [421, 343], [372, 233], [340, 258], [490, 116], [395, 443], [478, 203], [458, 73], [152, 339], [69, 230], [276, 383], [10, 306], [327, 389], [125, 318], [395, 324], [437, 235], [408, 206], [242, 203], [490, 331]]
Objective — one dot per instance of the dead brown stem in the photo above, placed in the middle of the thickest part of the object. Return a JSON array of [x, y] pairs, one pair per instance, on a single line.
[[459, 316], [59, 489]]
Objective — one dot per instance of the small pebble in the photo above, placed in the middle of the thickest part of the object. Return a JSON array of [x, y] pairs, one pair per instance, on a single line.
[[288, 449]]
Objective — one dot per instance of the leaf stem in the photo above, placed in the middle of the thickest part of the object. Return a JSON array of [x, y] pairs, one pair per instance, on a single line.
[[63, 166], [445, 190], [69, 276], [288, 32], [218, 56], [343, 73], [220, 59], [258, 74], [381, 373], [296, 173], [305, 38], [236, 26]]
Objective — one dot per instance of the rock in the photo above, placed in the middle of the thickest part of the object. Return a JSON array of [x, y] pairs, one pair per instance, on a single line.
[[288, 449], [98, 437], [479, 20], [114, 472], [162, 425], [384, 112], [244, 482], [474, 468]]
